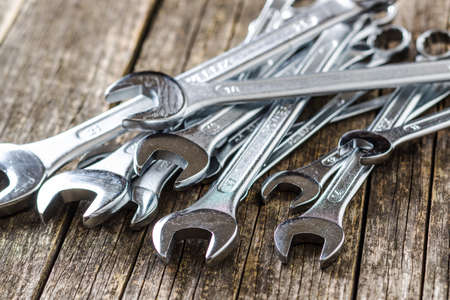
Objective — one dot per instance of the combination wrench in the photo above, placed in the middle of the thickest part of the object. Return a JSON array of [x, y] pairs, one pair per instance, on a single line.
[[324, 218], [308, 181], [384, 142]]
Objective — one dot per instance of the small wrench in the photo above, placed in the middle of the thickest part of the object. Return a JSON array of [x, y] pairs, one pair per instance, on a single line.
[[384, 142], [324, 218], [106, 182], [309, 180]]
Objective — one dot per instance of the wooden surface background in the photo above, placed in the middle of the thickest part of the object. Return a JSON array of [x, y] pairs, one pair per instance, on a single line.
[[57, 57]]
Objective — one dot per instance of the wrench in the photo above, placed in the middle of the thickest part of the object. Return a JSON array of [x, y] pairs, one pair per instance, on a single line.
[[214, 215], [324, 218], [192, 148], [27, 166], [308, 181], [384, 142], [178, 100], [106, 182]]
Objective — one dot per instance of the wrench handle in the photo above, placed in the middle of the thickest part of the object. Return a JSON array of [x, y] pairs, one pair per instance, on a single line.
[[62, 148], [299, 30], [419, 128], [317, 84]]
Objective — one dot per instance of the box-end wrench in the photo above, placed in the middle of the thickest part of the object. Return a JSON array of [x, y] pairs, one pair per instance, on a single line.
[[27, 166]]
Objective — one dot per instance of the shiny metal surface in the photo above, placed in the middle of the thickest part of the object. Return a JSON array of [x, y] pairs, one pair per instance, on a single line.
[[384, 142], [213, 215]]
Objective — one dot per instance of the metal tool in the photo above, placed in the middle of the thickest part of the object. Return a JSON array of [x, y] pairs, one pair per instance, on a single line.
[[214, 215], [384, 142], [177, 100], [192, 148], [323, 221], [27, 166], [106, 182], [308, 181]]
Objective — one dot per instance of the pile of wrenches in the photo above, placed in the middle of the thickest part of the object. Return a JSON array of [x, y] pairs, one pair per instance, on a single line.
[[234, 117]]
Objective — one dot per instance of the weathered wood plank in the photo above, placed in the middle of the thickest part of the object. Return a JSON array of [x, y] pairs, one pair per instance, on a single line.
[[395, 236], [56, 61], [436, 273], [96, 263]]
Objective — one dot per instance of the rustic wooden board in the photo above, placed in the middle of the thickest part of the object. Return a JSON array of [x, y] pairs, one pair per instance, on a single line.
[[56, 59], [397, 237]]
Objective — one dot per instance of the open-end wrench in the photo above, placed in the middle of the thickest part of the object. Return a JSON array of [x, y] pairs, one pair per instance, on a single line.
[[323, 221], [177, 100], [105, 182], [27, 166], [308, 181], [192, 148], [214, 215], [384, 142]]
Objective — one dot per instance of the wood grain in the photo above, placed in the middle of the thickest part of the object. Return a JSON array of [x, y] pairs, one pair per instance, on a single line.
[[399, 199], [56, 60]]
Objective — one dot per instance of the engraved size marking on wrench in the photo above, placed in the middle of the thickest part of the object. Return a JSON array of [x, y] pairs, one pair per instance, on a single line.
[[229, 183], [89, 132], [211, 128], [221, 66]]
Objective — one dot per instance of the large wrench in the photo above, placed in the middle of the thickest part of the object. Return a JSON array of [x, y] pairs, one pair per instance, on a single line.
[[178, 100], [215, 213]]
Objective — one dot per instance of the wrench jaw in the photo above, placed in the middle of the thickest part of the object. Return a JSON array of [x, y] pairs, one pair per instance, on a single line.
[[163, 89], [191, 158], [380, 147], [147, 207], [307, 188], [107, 190], [25, 173], [220, 228], [309, 230]]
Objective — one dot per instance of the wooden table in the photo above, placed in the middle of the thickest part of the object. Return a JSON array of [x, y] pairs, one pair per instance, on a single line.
[[56, 59]]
